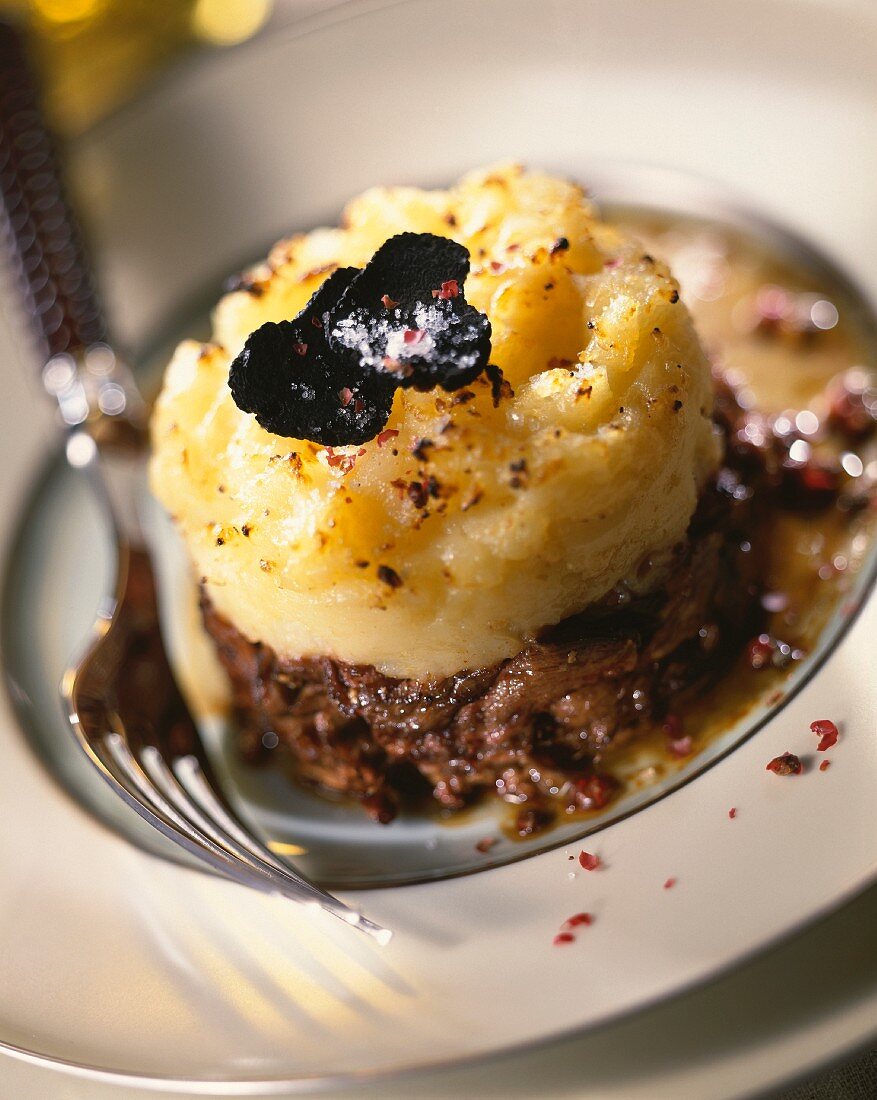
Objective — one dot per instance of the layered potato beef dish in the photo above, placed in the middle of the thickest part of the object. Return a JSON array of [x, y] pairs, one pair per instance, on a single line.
[[509, 529]]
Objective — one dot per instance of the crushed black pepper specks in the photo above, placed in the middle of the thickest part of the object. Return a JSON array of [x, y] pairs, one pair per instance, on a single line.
[[389, 576], [518, 470], [471, 500], [499, 387], [421, 448]]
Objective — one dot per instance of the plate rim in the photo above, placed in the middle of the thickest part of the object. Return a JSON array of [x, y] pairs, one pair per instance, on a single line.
[[312, 1084]]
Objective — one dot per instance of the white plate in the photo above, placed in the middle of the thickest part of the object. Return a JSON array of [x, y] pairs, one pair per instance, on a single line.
[[235, 987]]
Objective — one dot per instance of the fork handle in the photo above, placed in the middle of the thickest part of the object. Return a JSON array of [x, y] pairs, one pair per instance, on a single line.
[[38, 226]]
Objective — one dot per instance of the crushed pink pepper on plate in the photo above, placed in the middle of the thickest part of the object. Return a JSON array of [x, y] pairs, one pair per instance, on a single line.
[[787, 764], [826, 731]]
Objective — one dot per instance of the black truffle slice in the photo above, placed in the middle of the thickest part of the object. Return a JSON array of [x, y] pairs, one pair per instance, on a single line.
[[297, 387], [406, 315], [330, 374]]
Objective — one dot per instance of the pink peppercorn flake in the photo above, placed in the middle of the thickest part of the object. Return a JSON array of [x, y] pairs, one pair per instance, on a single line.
[[774, 602], [819, 479], [413, 335], [578, 919], [563, 937], [387, 302], [449, 289], [760, 652], [397, 367], [853, 404], [300, 348], [344, 463], [808, 486], [485, 844], [679, 747], [825, 765], [386, 436], [345, 396], [732, 813], [670, 883], [827, 733], [593, 792], [588, 861], [787, 764]]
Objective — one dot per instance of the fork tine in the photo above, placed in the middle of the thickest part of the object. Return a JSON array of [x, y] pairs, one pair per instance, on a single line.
[[141, 771], [190, 775], [121, 779], [220, 846], [148, 795], [138, 790], [171, 787], [126, 777], [171, 804]]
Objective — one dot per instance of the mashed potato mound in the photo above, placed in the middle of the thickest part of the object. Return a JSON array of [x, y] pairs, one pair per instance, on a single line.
[[445, 543]]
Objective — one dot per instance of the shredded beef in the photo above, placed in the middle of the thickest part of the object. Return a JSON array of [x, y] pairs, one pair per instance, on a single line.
[[533, 728]]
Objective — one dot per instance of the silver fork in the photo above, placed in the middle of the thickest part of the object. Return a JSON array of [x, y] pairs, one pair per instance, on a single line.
[[122, 700]]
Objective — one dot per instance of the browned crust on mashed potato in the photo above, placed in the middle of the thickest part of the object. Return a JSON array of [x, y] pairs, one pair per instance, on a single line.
[[451, 539]]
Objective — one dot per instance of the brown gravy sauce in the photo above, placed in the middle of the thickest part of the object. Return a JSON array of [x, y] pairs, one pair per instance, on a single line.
[[784, 337]]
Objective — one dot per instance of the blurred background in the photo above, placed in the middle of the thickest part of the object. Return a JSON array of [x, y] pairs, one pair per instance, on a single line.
[[95, 55]]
